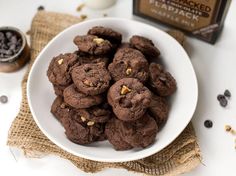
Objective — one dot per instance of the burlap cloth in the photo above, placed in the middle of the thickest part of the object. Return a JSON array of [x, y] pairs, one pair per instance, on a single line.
[[179, 157]]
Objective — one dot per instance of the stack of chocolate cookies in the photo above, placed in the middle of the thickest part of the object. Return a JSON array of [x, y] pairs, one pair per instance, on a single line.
[[111, 90]]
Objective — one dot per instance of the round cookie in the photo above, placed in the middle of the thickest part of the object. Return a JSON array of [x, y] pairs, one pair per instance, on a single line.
[[129, 99], [96, 114], [60, 109], [93, 45], [144, 45], [91, 79], [129, 63], [159, 110], [114, 136], [161, 82], [81, 133], [78, 99], [106, 33], [59, 69], [139, 133]]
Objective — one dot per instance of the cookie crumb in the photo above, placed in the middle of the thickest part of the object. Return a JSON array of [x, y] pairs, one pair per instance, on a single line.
[[228, 128], [125, 90], [83, 17], [105, 15], [128, 71], [80, 7], [90, 123], [60, 61]]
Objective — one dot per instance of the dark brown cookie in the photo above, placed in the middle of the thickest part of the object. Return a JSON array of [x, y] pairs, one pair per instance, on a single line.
[[93, 45], [161, 82], [81, 133], [106, 33], [60, 109], [78, 99], [58, 90], [59, 69], [97, 114], [139, 133], [129, 63], [159, 110], [112, 131], [144, 45], [129, 99], [91, 79]]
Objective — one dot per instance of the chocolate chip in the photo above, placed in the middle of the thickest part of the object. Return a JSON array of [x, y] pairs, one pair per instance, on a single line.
[[220, 97], [208, 124], [3, 99], [223, 102], [227, 93], [9, 35], [40, 8], [13, 39]]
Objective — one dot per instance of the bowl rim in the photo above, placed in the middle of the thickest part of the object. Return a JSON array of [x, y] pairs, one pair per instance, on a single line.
[[114, 160]]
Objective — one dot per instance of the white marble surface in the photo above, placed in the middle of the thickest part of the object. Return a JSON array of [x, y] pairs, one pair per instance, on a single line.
[[215, 68]]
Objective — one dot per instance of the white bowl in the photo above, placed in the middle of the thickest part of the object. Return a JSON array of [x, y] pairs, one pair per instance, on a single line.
[[183, 103]]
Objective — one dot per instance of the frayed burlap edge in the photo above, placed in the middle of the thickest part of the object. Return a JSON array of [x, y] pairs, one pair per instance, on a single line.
[[179, 157]]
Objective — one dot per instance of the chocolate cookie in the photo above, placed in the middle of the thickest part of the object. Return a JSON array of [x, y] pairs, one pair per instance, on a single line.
[[144, 45], [112, 131], [161, 82], [129, 63], [81, 133], [97, 114], [106, 33], [159, 110], [91, 79], [79, 100], [93, 45], [59, 69], [60, 109], [58, 90], [129, 99], [139, 133]]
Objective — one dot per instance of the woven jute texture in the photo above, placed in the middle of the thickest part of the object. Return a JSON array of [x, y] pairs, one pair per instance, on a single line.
[[179, 157]]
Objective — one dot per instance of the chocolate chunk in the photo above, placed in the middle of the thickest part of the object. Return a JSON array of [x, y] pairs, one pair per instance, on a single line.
[[208, 124], [40, 8], [223, 102], [227, 93], [3, 99]]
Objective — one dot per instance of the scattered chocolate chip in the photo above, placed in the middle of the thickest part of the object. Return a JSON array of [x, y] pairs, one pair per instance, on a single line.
[[227, 93], [223, 102], [208, 124], [3, 99], [105, 15], [220, 97], [40, 8]]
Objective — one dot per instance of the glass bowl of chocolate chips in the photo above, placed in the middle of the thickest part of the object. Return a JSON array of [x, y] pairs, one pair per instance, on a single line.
[[14, 50]]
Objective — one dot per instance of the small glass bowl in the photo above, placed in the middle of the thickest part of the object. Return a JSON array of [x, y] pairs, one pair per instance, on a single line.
[[19, 59]]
